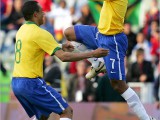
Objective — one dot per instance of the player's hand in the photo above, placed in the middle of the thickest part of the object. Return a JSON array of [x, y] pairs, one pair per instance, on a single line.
[[67, 47], [100, 52]]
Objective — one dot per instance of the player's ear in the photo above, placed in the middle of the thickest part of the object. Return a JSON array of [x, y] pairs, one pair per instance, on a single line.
[[35, 14]]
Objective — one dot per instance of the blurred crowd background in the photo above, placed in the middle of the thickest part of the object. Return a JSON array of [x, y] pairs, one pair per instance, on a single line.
[[142, 60]]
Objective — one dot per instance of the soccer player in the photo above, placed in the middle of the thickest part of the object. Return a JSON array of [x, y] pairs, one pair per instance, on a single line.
[[32, 43], [109, 35]]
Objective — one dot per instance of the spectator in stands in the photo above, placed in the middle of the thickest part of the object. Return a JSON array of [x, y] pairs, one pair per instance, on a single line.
[[46, 5], [152, 15], [15, 19], [155, 48], [61, 18], [141, 70], [11, 25], [131, 37], [79, 88], [86, 18], [153, 28], [52, 73], [6, 8], [74, 15], [144, 44]]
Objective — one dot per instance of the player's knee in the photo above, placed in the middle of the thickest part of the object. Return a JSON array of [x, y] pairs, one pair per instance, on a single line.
[[68, 113], [119, 86], [69, 33]]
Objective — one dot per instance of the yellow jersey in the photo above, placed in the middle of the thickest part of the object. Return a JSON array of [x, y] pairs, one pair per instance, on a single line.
[[112, 17], [32, 43]]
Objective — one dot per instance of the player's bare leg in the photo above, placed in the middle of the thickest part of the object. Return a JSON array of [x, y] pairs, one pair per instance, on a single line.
[[67, 114], [132, 99]]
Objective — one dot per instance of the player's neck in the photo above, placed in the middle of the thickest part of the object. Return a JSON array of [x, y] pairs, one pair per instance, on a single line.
[[34, 21]]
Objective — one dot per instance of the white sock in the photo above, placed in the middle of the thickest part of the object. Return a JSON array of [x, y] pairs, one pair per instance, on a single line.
[[64, 119], [35, 118], [79, 47], [135, 104]]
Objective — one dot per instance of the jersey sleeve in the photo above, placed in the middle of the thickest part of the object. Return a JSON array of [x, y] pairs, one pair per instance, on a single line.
[[46, 42]]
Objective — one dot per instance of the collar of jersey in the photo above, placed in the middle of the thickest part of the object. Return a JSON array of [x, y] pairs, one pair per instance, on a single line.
[[30, 22]]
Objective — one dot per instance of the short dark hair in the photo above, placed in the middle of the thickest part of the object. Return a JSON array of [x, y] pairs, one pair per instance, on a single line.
[[29, 8], [140, 51]]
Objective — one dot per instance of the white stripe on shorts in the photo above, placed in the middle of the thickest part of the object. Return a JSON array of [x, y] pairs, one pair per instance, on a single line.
[[120, 73], [61, 106]]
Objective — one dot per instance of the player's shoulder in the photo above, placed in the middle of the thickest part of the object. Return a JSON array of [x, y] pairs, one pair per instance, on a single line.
[[44, 32], [39, 32], [32, 28]]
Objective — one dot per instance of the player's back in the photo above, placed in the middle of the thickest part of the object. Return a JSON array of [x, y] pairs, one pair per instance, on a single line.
[[28, 51], [112, 16]]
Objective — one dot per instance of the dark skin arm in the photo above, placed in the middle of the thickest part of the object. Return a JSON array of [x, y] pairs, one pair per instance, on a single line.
[[68, 56], [68, 47]]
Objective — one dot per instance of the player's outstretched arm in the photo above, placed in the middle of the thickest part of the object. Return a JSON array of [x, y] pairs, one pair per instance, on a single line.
[[69, 56], [68, 47]]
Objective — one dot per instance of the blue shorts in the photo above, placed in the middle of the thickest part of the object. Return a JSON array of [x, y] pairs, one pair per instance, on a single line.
[[117, 45], [37, 98]]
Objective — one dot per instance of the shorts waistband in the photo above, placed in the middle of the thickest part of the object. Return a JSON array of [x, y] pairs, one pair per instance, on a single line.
[[27, 78], [119, 34]]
